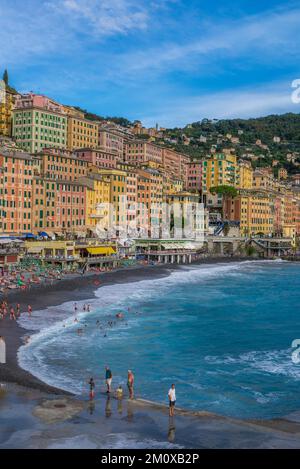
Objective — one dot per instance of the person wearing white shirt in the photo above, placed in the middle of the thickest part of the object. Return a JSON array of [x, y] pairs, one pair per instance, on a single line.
[[172, 400]]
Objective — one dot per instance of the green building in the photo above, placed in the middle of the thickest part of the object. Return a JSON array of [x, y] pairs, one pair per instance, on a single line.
[[38, 123]]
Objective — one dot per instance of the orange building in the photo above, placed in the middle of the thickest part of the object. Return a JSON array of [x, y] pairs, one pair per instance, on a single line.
[[16, 180], [61, 164]]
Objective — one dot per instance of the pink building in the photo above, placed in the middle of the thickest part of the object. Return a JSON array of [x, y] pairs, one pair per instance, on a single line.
[[101, 158], [194, 175], [111, 141], [32, 100], [141, 151]]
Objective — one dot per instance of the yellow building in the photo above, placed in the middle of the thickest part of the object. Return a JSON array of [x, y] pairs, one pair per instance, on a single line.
[[254, 210], [289, 231], [117, 192], [97, 199], [244, 175], [7, 100], [220, 169], [82, 133]]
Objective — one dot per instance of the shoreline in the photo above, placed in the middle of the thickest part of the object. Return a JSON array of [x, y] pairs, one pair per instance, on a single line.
[[83, 288]]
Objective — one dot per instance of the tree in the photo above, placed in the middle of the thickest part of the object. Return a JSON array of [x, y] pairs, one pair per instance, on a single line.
[[226, 191], [5, 77]]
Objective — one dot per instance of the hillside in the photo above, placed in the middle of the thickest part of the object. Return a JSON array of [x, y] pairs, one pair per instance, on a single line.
[[253, 138]]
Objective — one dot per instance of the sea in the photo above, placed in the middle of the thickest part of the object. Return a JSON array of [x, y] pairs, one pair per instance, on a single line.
[[222, 333]]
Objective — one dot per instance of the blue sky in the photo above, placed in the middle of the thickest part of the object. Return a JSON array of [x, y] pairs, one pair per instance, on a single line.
[[169, 62]]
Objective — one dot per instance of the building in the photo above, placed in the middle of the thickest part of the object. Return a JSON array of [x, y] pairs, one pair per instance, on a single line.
[[149, 201], [64, 207], [263, 179], [174, 163], [60, 165], [244, 175], [16, 184], [98, 157], [97, 199], [112, 141], [282, 173], [141, 151], [7, 101], [220, 169], [82, 133], [194, 176], [254, 211], [117, 215], [131, 191], [39, 123]]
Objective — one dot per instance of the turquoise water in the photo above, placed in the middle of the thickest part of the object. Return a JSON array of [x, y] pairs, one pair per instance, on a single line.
[[222, 333]]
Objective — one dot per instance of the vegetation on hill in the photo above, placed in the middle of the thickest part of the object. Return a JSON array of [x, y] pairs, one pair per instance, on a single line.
[[95, 117]]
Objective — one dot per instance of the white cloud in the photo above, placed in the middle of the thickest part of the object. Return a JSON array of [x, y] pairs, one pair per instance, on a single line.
[[261, 37], [241, 103], [104, 17]]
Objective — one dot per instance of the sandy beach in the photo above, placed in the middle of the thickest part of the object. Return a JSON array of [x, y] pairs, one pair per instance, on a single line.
[[33, 414]]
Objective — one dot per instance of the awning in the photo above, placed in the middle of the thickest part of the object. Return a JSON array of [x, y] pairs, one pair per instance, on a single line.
[[43, 234], [104, 251], [34, 250]]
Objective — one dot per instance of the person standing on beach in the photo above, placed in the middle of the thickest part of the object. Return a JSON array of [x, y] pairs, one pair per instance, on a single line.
[[130, 384], [2, 351], [108, 378], [172, 400], [92, 388], [29, 309]]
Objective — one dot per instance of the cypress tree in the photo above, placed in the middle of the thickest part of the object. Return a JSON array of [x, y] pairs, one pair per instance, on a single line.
[[5, 77]]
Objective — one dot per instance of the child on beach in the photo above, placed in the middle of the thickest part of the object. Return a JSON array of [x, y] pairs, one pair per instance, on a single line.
[[119, 392]]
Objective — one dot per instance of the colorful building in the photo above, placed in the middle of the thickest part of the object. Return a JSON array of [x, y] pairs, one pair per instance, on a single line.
[[111, 140], [82, 133], [39, 123], [97, 199], [141, 151], [194, 176], [254, 210], [220, 169], [244, 175], [97, 157], [7, 101], [61, 165], [16, 183], [174, 163]]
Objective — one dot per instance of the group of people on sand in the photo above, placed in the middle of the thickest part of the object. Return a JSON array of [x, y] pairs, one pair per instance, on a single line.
[[130, 384], [13, 312], [108, 381]]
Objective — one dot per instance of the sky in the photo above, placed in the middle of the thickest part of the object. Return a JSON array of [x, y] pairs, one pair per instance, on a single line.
[[170, 62]]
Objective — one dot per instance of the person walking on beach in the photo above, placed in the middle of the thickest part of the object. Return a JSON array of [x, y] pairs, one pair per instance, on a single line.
[[2, 351], [130, 384], [172, 400], [108, 378]]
